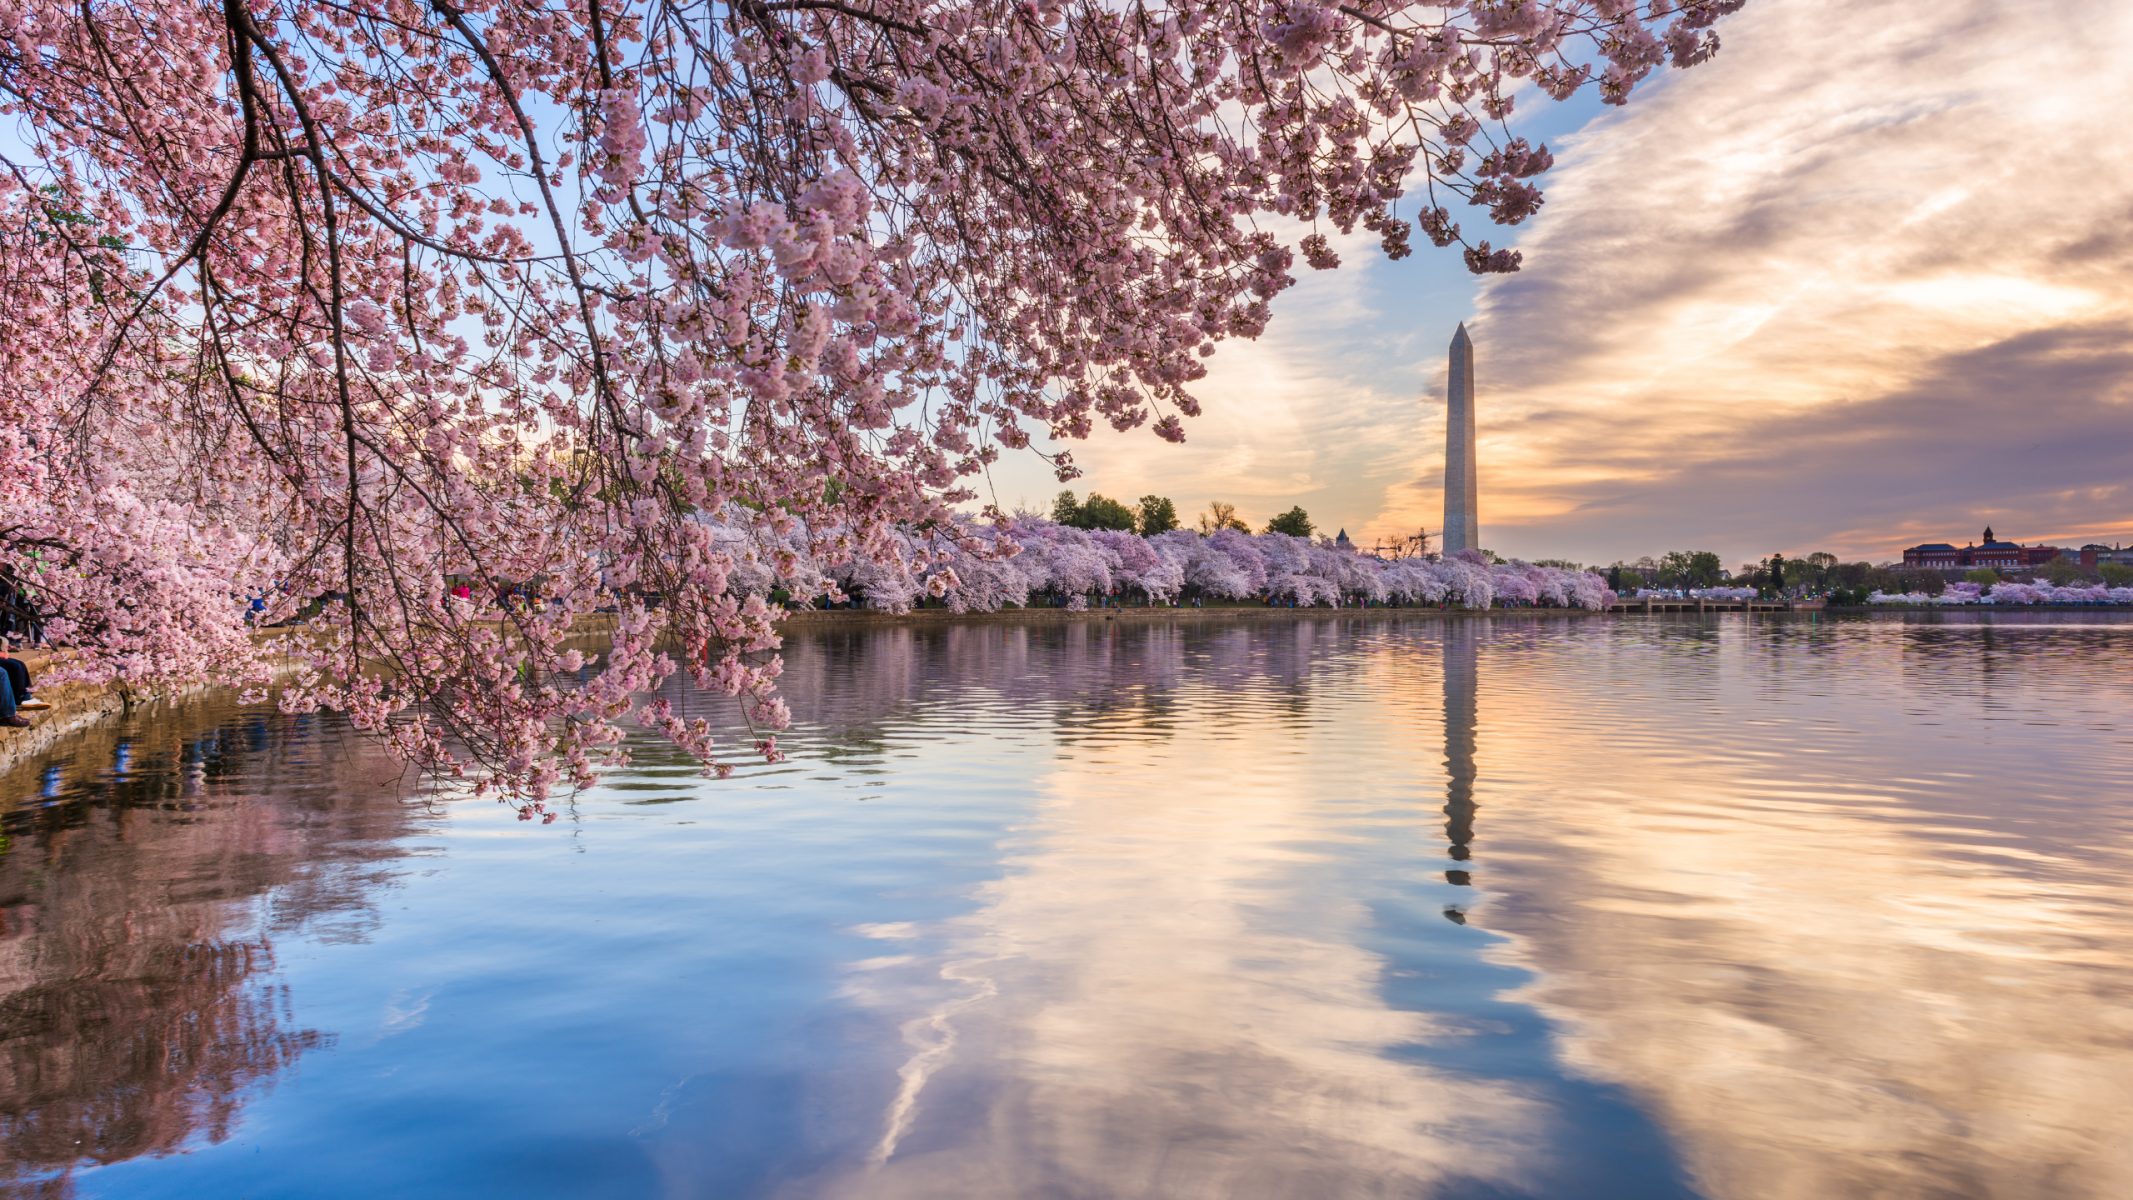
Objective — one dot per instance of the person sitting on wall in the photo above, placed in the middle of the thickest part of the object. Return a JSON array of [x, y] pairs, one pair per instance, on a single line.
[[9, 718], [18, 681]]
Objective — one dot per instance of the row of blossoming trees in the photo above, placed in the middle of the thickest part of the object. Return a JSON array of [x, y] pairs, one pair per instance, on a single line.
[[2010, 592], [983, 566], [365, 295]]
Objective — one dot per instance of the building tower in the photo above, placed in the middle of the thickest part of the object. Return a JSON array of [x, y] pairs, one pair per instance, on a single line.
[[1462, 516]]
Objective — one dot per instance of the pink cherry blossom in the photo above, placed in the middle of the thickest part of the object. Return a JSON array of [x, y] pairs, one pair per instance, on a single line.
[[651, 308]]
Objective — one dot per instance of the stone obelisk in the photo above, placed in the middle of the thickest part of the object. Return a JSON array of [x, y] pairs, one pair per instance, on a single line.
[[1462, 516]]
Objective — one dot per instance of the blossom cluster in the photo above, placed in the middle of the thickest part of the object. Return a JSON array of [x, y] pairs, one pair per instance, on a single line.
[[2008, 592], [357, 298]]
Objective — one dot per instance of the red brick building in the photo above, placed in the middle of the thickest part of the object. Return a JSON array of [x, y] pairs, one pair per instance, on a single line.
[[1999, 555], [2096, 554]]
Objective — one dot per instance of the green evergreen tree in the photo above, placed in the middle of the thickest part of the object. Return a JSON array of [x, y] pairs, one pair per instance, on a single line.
[[1295, 522], [1102, 512], [1067, 510], [1158, 515]]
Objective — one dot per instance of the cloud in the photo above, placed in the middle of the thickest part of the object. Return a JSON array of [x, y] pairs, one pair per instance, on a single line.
[[2030, 430], [1853, 284], [1611, 501], [1860, 281]]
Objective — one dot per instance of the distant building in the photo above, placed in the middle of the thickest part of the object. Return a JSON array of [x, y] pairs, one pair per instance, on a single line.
[[1935, 556], [1342, 540], [2096, 554], [1999, 555]]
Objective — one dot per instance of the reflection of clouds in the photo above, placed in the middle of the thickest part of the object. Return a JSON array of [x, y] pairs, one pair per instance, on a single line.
[[1836, 904], [1839, 944], [931, 1038], [406, 1009], [1152, 1001]]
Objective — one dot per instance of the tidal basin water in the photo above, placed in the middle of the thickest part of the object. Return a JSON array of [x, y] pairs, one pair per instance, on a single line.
[[1743, 908]]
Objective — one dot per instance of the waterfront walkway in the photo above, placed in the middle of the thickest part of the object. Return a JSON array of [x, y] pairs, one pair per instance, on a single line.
[[1698, 604]]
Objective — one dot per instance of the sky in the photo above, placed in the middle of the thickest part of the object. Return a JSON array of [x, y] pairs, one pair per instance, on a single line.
[[1861, 281]]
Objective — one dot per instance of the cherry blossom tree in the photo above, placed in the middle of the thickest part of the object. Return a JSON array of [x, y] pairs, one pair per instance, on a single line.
[[981, 566], [1203, 565], [369, 296]]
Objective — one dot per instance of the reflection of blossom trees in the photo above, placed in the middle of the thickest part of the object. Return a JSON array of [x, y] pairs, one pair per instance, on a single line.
[[847, 687], [136, 993], [841, 680]]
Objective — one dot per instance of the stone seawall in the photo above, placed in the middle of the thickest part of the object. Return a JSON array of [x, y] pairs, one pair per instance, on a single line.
[[75, 707]]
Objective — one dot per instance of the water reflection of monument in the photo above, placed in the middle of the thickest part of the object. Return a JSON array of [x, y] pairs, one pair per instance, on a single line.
[[137, 1001], [1462, 651]]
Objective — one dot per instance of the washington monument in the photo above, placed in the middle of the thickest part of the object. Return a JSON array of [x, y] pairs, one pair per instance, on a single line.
[[1462, 517]]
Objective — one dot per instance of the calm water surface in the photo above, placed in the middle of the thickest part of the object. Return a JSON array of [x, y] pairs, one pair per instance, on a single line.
[[1747, 909]]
